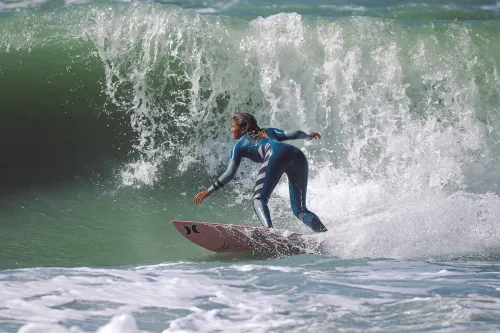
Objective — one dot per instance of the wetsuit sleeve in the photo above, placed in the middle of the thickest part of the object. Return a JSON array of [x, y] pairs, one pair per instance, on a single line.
[[232, 167], [290, 135]]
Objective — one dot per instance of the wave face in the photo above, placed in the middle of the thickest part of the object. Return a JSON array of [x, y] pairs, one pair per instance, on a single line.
[[145, 92]]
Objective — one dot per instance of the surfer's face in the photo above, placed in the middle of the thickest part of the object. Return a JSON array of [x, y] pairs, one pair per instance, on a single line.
[[236, 130]]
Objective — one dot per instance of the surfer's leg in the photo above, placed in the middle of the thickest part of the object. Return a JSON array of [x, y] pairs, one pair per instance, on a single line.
[[269, 174], [297, 183]]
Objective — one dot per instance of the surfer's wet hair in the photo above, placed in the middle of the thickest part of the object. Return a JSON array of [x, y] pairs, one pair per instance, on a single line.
[[248, 124]]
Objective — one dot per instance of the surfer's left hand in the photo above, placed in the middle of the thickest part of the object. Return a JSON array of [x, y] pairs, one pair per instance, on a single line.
[[200, 196], [315, 136]]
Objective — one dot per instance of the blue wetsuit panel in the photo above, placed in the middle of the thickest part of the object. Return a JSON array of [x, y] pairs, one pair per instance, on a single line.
[[252, 148], [276, 158]]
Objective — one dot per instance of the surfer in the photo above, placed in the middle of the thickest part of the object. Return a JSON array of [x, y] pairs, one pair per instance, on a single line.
[[265, 146]]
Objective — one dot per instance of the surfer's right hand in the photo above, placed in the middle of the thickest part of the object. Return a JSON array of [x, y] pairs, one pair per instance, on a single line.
[[200, 196]]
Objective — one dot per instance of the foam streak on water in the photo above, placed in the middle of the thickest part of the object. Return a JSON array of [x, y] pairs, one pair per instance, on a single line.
[[320, 294]]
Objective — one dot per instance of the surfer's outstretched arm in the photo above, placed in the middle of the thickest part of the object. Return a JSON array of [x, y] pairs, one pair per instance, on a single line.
[[223, 180], [296, 134]]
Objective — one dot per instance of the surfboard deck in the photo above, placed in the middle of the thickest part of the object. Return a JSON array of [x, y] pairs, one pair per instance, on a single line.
[[224, 238]]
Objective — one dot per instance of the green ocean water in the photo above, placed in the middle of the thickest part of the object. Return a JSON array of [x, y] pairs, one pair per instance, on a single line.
[[115, 116]]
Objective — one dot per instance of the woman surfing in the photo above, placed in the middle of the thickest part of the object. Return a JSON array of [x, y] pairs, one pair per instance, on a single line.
[[266, 146]]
